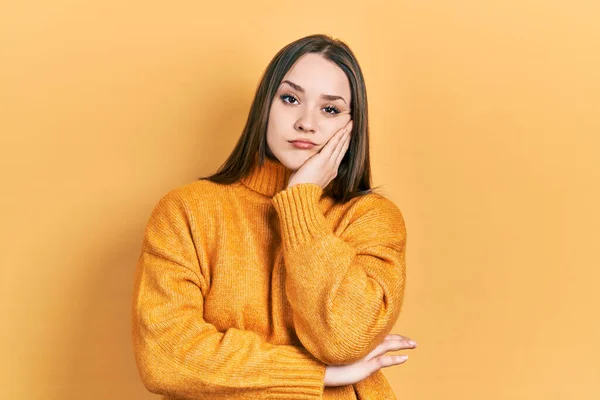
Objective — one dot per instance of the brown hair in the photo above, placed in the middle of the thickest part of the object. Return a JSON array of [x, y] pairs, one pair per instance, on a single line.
[[354, 174]]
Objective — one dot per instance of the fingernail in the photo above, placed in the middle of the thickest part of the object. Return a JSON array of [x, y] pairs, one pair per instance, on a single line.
[[412, 343]]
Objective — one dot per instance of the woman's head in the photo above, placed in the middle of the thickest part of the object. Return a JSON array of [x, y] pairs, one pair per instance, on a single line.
[[310, 89], [313, 102]]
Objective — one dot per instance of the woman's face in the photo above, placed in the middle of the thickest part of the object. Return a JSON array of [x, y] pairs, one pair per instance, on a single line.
[[312, 103]]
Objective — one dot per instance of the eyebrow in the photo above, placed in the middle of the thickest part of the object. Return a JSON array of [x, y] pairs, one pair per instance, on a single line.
[[325, 96]]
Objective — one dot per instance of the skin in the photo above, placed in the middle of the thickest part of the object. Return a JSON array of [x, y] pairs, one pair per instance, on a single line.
[[305, 114], [299, 111], [349, 374]]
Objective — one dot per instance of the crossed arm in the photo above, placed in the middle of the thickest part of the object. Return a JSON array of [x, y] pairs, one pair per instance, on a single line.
[[340, 313]]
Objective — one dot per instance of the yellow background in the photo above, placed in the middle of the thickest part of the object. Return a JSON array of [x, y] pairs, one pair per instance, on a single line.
[[485, 122]]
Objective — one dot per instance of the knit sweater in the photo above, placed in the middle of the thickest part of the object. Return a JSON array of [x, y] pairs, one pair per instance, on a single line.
[[248, 290]]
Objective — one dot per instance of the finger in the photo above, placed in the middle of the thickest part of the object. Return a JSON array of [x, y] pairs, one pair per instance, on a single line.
[[395, 359], [406, 343], [349, 125], [408, 340], [343, 148], [389, 345], [387, 361], [333, 142], [395, 336], [339, 148]]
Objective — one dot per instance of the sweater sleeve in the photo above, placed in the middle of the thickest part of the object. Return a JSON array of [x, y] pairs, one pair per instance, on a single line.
[[181, 355], [345, 291]]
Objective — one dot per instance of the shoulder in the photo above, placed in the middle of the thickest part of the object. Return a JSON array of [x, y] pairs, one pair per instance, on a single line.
[[376, 216], [194, 197], [199, 191], [375, 205]]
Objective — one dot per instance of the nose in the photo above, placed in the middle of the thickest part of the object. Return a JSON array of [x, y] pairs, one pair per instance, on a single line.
[[306, 123]]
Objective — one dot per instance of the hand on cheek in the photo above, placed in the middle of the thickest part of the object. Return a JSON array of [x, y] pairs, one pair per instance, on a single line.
[[337, 124], [322, 168]]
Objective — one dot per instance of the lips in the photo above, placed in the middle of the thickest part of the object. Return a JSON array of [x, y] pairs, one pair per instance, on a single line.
[[303, 141], [301, 144]]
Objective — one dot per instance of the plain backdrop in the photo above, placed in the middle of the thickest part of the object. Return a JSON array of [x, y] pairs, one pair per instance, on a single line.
[[485, 124]]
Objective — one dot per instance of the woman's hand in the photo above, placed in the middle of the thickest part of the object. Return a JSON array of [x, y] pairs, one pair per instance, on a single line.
[[322, 168], [340, 375]]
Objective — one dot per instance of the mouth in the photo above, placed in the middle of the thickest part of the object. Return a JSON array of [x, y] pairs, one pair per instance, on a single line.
[[303, 141], [302, 144]]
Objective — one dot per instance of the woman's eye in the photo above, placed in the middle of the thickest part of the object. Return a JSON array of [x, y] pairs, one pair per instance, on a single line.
[[332, 110], [286, 97], [289, 99]]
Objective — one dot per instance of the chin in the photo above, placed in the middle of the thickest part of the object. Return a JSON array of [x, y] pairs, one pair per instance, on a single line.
[[294, 159]]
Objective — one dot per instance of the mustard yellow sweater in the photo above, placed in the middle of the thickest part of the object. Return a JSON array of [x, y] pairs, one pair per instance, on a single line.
[[248, 290]]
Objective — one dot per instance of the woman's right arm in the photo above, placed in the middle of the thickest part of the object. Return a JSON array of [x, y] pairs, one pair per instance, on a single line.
[[349, 374], [178, 353]]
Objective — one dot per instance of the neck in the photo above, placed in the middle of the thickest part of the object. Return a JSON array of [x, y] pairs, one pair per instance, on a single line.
[[269, 178]]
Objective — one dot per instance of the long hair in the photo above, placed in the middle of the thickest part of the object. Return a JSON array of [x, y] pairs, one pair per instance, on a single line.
[[354, 174]]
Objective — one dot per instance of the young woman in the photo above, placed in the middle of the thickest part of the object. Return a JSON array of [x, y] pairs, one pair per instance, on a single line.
[[280, 276]]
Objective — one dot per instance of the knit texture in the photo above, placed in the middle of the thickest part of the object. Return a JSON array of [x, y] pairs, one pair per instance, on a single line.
[[248, 290]]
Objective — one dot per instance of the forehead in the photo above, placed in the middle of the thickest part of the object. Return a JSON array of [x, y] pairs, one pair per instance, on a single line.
[[318, 75]]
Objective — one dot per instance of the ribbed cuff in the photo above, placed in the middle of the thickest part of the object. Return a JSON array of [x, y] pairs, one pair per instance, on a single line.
[[300, 217], [296, 376]]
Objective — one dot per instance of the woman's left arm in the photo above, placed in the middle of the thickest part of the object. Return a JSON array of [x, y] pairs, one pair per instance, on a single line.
[[345, 291]]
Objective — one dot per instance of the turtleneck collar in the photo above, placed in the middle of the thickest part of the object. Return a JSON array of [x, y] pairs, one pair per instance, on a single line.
[[267, 179]]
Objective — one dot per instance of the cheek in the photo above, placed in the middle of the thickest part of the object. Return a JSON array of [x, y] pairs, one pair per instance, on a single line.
[[330, 126], [272, 124], [281, 117]]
